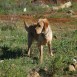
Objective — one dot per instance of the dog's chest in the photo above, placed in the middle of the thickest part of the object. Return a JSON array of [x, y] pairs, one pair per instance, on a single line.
[[42, 39]]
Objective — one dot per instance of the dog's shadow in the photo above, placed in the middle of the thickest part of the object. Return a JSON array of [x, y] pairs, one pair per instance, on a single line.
[[7, 53]]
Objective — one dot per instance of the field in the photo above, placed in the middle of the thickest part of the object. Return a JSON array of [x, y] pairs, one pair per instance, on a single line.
[[13, 45]]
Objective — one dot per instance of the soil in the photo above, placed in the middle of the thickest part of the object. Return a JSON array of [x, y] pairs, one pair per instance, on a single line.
[[31, 18]]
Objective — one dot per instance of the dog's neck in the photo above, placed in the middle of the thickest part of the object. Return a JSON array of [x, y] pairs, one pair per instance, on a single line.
[[47, 31]]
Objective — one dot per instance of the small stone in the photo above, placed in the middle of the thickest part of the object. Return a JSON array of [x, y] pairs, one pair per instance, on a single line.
[[76, 66], [33, 74], [71, 68], [74, 60], [1, 61]]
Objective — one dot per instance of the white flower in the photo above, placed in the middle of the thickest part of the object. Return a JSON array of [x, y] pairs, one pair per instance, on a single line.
[[24, 10]]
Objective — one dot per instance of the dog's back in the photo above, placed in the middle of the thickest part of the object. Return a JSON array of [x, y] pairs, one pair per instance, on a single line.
[[31, 30]]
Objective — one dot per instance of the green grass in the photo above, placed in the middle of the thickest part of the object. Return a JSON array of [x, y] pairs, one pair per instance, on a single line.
[[13, 46], [16, 7], [13, 43]]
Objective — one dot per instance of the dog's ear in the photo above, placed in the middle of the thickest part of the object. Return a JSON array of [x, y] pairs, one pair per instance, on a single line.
[[46, 23]]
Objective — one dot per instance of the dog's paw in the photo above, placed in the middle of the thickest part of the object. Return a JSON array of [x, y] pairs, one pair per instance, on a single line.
[[51, 54]]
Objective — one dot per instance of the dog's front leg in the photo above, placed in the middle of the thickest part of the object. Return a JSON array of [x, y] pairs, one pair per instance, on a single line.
[[29, 45], [41, 53], [49, 46]]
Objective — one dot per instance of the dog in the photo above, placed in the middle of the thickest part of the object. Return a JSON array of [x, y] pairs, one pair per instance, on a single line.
[[42, 33]]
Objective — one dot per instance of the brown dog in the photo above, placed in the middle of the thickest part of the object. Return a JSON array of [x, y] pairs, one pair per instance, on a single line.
[[42, 33]]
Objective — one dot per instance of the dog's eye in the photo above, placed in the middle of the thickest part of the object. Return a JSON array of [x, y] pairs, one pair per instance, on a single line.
[[38, 25]]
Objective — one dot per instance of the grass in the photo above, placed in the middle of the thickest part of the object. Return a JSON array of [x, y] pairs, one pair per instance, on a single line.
[[13, 46], [13, 43], [16, 7]]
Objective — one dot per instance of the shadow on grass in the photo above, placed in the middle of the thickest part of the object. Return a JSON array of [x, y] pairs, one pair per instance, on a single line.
[[8, 53]]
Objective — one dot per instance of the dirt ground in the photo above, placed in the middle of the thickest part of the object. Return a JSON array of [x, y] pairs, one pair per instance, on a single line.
[[31, 18]]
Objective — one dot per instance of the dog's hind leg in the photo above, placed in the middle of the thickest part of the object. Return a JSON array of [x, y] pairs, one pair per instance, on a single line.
[[49, 46]]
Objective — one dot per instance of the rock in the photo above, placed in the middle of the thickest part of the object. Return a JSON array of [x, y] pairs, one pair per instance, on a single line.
[[76, 66], [70, 12], [74, 60], [33, 73], [71, 67], [1, 61]]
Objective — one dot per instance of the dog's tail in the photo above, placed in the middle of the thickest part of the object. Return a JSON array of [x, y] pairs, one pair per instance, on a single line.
[[26, 26]]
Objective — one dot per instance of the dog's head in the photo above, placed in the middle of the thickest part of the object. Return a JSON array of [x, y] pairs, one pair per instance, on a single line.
[[41, 26]]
